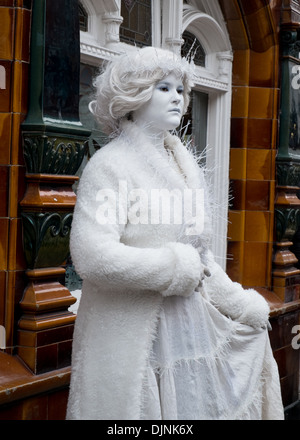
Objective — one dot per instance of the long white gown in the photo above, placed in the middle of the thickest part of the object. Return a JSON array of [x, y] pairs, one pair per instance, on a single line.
[[200, 352]]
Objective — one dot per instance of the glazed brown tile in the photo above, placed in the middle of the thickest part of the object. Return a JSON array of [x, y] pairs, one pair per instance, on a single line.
[[260, 29], [261, 102], [5, 137], [240, 102], [257, 226], [23, 4], [230, 10], [250, 7], [260, 132], [238, 34], [257, 195], [4, 185], [4, 229], [263, 68], [64, 354], [16, 190], [241, 67], [255, 272], [235, 260], [238, 163], [20, 87], [16, 258], [238, 194], [22, 34], [238, 136], [17, 155], [2, 296], [236, 225], [7, 31], [259, 164], [5, 94]]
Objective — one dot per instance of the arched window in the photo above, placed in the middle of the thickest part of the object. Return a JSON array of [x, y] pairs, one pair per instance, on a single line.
[[136, 28], [192, 48], [83, 18]]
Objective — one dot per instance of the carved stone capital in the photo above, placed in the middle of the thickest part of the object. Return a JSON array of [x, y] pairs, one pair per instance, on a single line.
[[50, 154]]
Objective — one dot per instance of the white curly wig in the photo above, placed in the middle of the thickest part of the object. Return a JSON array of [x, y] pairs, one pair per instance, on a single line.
[[128, 81]]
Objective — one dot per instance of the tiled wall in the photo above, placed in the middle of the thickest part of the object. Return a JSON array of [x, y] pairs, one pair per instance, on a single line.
[[253, 141], [15, 18]]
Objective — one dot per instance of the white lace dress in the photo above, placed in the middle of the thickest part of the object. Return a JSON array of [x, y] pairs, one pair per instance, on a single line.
[[205, 366]]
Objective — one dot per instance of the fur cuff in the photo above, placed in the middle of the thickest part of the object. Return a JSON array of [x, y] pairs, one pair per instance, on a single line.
[[256, 314], [187, 270]]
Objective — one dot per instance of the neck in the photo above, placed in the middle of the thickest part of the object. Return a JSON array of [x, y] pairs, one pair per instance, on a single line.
[[155, 136]]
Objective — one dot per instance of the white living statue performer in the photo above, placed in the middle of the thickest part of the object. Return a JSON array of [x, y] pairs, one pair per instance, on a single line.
[[161, 333]]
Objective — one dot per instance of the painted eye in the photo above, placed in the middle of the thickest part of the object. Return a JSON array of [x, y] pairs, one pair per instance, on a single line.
[[180, 90], [164, 88]]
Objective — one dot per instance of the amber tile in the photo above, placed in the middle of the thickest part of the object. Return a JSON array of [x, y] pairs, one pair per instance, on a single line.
[[238, 136], [236, 225], [255, 273], [240, 102], [22, 34], [235, 260], [238, 34], [2, 296], [23, 3], [257, 226], [6, 2], [237, 194], [250, 7], [261, 102], [241, 67], [263, 68], [230, 10], [4, 189], [260, 29], [4, 225], [5, 137], [20, 87], [17, 155], [238, 163], [7, 33], [16, 189], [260, 133], [259, 164], [5, 95], [257, 195], [16, 259]]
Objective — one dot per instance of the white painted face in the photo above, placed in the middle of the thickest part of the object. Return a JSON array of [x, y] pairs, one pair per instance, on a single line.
[[164, 110]]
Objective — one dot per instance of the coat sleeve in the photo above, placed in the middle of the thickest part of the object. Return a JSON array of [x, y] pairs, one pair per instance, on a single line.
[[99, 255], [243, 305]]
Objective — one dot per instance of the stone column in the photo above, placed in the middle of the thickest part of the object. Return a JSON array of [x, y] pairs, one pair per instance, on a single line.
[[54, 144]]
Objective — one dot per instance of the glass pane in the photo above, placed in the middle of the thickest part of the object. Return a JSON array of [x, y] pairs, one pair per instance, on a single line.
[[136, 28], [194, 124], [192, 49]]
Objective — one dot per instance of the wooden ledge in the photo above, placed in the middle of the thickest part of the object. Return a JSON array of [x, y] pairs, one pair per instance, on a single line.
[[17, 382], [277, 306]]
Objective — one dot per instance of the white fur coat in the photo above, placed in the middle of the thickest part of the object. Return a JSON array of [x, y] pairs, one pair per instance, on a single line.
[[127, 270]]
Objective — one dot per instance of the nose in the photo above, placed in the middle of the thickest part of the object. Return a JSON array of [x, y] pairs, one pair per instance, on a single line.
[[176, 98]]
